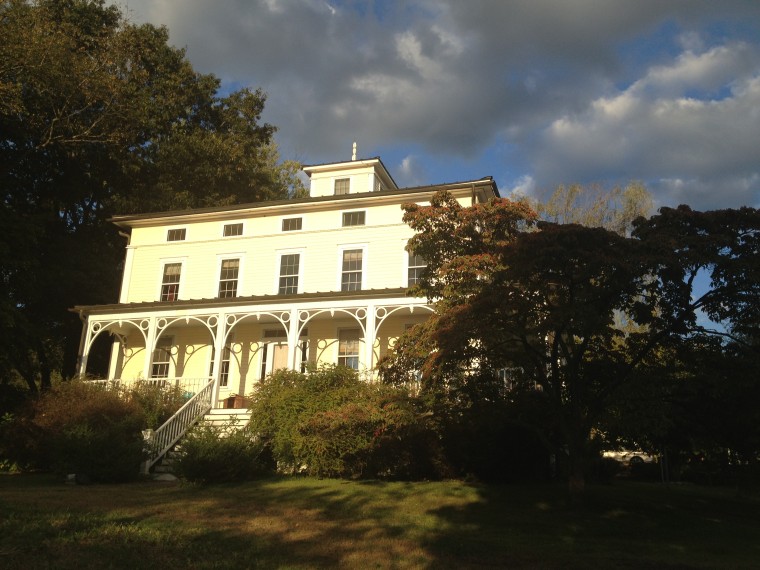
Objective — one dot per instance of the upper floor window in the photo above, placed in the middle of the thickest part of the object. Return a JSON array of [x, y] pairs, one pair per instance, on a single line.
[[417, 265], [351, 270], [353, 218], [292, 224], [176, 234], [348, 348], [289, 266], [228, 278], [342, 186], [231, 230], [170, 281]]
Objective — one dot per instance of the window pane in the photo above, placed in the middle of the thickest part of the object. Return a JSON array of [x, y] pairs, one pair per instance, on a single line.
[[170, 281], [176, 234], [228, 278], [292, 224], [342, 186], [289, 265], [231, 230], [417, 265], [161, 358], [351, 276], [353, 218], [348, 348]]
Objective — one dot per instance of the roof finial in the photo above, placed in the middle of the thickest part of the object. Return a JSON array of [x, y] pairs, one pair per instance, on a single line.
[[353, 152]]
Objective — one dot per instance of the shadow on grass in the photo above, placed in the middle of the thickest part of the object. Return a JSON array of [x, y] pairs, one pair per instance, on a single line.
[[307, 523]]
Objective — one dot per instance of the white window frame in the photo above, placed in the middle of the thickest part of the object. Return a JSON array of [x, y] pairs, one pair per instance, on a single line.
[[301, 252], [408, 267], [335, 183], [233, 223], [365, 264], [227, 350], [359, 343], [182, 276], [241, 263], [165, 343]]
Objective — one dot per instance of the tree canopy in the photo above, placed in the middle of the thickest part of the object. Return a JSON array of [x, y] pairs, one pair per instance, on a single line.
[[101, 116], [545, 300]]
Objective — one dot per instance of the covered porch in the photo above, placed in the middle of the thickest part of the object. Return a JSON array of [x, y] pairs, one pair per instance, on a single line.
[[177, 343]]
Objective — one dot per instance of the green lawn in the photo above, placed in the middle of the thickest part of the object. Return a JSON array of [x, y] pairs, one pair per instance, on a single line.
[[307, 523]]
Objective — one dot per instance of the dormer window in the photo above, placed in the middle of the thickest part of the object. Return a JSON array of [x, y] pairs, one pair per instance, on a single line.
[[342, 186]]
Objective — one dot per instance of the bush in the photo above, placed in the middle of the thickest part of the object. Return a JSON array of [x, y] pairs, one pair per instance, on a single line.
[[86, 429], [329, 423], [213, 455], [158, 403]]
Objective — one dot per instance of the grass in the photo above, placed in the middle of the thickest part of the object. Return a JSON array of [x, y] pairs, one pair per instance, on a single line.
[[308, 523]]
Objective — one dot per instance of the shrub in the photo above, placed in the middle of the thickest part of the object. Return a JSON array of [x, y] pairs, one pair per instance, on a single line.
[[86, 429], [158, 403], [214, 455], [329, 423]]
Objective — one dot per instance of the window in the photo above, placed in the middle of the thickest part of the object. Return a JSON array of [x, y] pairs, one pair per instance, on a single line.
[[228, 278], [162, 357], [416, 266], [224, 365], [348, 348], [292, 224], [231, 230], [351, 271], [342, 186], [177, 234], [289, 264], [353, 218], [170, 281]]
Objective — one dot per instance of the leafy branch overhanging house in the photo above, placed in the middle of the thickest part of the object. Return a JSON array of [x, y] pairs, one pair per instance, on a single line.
[[214, 299]]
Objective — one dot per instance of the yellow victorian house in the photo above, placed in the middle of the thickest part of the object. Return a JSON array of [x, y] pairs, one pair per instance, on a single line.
[[214, 299]]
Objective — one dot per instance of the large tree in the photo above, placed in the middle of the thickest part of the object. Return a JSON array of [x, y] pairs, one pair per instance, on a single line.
[[100, 116], [547, 304]]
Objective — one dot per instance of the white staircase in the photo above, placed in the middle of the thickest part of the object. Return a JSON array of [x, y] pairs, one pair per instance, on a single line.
[[224, 420]]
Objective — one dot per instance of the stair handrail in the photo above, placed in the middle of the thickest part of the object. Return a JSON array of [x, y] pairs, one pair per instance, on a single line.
[[163, 438]]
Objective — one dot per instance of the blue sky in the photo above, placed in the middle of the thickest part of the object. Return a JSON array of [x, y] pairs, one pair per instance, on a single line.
[[535, 93]]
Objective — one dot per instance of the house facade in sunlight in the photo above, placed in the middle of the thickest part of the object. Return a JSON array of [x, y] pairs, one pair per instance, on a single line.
[[221, 297]]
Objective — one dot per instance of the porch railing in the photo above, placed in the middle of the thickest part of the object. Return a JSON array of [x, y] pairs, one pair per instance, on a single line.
[[162, 439]]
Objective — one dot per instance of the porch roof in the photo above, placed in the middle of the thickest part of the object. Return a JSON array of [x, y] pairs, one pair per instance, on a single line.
[[241, 301]]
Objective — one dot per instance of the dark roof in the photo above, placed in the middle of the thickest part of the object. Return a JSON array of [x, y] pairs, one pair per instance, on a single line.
[[237, 301], [124, 219]]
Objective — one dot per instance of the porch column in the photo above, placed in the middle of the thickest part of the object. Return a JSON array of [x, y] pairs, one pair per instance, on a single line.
[[150, 342], [220, 339], [293, 339], [369, 337], [84, 345]]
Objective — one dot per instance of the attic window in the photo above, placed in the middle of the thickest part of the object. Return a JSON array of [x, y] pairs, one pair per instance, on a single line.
[[177, 234], [342, 186], [292, 224], [231, 230], [353, 218]]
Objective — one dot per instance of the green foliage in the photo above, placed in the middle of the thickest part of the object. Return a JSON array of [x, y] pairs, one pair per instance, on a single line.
[[213, 454], [594, 206], [158, 403], [332, 424], [86, 429], [549, 303], [100, 116]]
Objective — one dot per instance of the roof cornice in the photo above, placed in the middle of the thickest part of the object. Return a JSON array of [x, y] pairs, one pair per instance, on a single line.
[[290, 207]]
